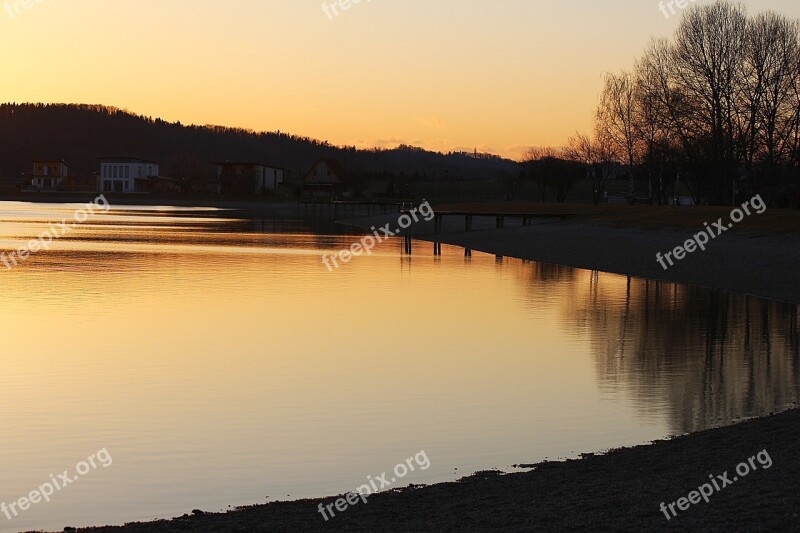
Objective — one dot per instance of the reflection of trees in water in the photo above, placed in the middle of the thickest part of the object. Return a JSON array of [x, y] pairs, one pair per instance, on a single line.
[[542, 274], [706, 357]]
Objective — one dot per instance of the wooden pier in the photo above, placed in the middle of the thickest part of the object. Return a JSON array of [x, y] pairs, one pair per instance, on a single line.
[[500, 221], [340, 206]]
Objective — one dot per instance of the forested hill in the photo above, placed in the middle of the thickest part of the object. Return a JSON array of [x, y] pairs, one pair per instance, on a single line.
[[80, 134]]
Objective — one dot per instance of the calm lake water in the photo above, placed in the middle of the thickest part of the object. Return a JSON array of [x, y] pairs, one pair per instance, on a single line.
[[220, 363]]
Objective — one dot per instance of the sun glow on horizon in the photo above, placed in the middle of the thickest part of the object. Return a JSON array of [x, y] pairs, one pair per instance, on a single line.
[[444, 76]]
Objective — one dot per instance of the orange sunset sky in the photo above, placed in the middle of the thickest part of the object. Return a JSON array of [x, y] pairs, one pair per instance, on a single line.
[[496, 75]]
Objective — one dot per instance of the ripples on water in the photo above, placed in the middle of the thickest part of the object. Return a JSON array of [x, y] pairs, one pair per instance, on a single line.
[[220, 363]]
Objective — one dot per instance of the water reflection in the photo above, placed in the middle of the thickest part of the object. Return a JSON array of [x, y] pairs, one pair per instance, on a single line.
[[219, 361], [705, 357]]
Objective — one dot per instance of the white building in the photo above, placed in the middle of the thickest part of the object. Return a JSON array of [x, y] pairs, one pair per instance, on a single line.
[[126, 174]]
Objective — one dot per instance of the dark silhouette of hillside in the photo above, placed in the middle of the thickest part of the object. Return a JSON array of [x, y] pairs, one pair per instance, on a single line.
[[80, 134]]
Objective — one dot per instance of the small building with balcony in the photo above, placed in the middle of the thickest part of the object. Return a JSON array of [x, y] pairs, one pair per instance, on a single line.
[[49, 175]]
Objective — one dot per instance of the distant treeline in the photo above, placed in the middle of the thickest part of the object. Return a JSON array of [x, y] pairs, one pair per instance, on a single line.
[[715, 108], [80, 134]]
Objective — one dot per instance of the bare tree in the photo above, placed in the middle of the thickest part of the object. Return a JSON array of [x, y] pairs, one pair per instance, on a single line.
[[616, 116], [550, 169], [535, 170], [598, 159], [770, 81], [707, 55], [652, 122], [722, 97]]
